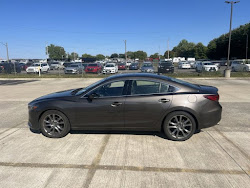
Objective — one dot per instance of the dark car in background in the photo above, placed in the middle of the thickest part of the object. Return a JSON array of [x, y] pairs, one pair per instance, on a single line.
[[166, 67], [141, 102], [147, 67], [9, 68], [121, 66], [134, 66], [93, 68]]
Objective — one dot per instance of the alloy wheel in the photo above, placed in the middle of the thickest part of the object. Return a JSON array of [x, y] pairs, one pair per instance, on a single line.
[[180, 126], [53, 124]]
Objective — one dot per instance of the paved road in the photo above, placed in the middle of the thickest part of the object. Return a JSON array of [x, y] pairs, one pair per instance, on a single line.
[[215, 157]]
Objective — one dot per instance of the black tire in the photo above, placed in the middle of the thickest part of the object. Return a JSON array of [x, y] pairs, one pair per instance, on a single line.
[[184, 127], [57, 128], [244, 69]]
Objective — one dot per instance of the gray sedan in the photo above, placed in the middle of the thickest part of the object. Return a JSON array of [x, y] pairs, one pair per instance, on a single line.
[[141, 102], [75, 68], [147, 67]]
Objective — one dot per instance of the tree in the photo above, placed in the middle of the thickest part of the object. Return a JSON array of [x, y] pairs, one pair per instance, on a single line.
[[115, 55], [211, 49], [56, 52], [141, 55], [100, 57], [185, 49], [131, 55], [73, 56], [121, 55], [154, 56], [171, 54], [87, 56], [200, 51]]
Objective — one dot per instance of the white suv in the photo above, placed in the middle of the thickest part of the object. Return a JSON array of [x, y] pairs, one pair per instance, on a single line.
[[35, 67], [206, 66], [240, 65], [110, 68]]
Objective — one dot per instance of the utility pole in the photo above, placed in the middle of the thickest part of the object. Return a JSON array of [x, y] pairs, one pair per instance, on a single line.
[[246, 47], [168, 49], [47, 51], [125, 41], [228, 71]]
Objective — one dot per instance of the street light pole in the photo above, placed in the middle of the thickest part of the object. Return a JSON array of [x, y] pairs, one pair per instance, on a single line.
[[228, 71], [125, 41], [246, 47]]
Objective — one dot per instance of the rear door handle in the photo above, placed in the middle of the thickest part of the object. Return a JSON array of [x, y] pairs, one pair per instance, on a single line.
[[115, 104], [163, 100]]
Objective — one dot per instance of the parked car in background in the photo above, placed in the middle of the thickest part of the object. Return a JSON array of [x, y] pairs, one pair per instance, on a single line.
[[110, 68], [128, 63], [23, 66], [36, 67], [217, 63], [147, 67], [56, 65], [75, 68], [240, 66], [184, 65], [9, 68], [192, 64], [139, 102], [134, 66], [121, 66], [67, 64], [93, 68], [206, 66], [165, 67]]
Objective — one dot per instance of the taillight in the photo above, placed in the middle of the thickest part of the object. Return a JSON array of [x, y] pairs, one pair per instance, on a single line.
[[212, 97]]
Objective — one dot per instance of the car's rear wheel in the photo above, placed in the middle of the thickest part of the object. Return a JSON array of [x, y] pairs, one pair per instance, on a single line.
[[179, 126], [54, 124]]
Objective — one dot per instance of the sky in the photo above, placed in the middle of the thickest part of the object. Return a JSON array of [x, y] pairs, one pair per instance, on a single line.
[[101, 26]]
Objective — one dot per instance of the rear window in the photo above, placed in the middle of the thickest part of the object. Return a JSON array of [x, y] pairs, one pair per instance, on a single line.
[[184, 83], [109, 65]]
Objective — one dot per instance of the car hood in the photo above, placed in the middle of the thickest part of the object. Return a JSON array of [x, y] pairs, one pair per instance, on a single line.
[[109, 67], [59, 94], [145, 68]]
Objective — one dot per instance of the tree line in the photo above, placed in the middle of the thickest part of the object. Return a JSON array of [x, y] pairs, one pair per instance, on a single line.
[[216, 49]]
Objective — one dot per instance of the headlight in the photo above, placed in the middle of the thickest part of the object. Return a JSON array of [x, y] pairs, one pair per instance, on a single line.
[[32, 107]]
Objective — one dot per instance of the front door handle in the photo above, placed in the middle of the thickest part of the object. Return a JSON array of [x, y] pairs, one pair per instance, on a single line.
[[163, 100], [115, 104]]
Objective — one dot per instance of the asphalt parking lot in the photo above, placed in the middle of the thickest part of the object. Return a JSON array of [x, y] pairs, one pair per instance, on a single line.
[[216, 157]]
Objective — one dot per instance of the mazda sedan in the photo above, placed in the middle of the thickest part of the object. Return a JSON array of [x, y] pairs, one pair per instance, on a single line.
[[140, 101]]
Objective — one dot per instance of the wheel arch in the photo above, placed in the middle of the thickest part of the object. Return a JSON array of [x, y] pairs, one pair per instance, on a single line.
[[187, 110], [56, 109]]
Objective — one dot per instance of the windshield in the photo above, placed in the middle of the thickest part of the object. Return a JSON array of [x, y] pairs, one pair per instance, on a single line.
[[208, 64], [147, 65], [92, 65], [36, 64], [166, 64], [110, 65], [73, 66], [56, 63]]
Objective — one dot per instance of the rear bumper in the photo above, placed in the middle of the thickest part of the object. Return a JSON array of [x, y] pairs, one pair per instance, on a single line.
[[211, 117]]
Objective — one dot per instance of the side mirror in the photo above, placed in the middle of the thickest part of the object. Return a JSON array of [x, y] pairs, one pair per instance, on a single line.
[[92, 96]]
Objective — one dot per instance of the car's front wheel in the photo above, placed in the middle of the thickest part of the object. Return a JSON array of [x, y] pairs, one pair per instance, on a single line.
[[54, 124], [179, 126]]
